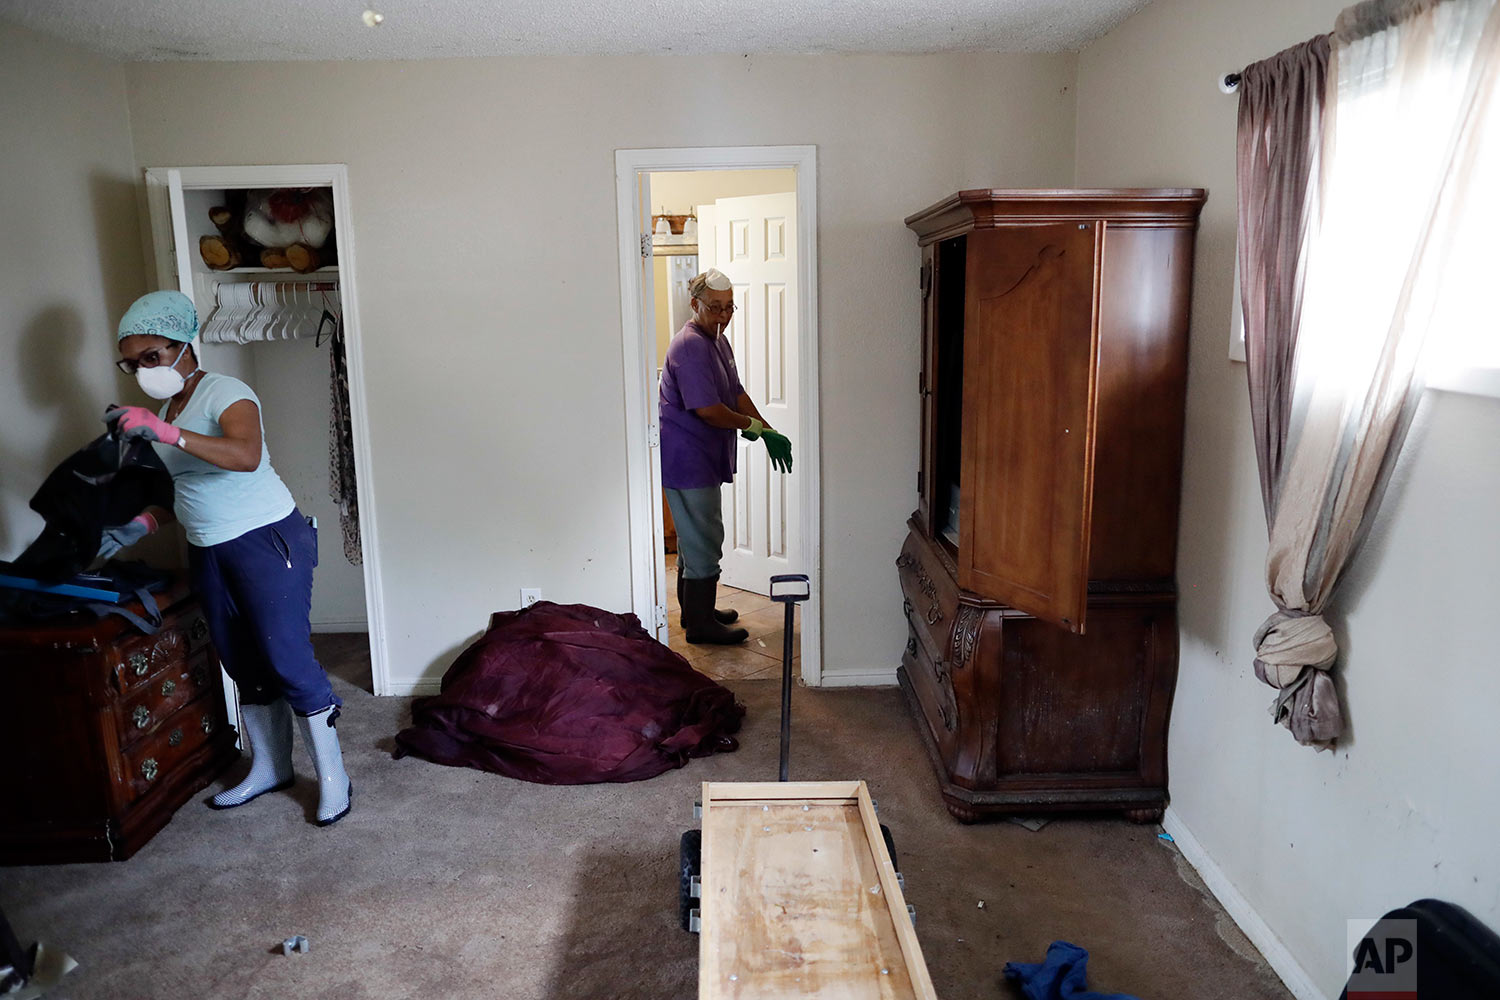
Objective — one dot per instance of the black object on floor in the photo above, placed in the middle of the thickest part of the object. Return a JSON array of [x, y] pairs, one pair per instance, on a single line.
[[1454, 956], [16, 963], [796, 590]]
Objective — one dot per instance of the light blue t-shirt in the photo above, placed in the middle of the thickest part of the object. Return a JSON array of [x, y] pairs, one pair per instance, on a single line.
[[216, 505]]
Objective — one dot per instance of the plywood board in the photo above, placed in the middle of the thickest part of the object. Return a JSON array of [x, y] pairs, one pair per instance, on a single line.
[[799, 901]]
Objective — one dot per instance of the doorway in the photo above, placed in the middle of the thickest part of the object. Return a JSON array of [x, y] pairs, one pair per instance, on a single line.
[[751, 212]]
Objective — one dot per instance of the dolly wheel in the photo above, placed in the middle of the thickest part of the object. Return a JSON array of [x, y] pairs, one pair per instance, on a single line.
[[890, 846], [690, 864]]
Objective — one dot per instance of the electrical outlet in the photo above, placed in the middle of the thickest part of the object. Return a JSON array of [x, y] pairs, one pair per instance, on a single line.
[[530, 595]]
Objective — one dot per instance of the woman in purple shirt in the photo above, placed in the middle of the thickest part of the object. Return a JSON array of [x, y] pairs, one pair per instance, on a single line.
[[703, 404]]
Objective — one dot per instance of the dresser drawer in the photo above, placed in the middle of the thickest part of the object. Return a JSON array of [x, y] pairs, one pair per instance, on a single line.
[[140, 659], [163, 694], [156, 759], [933, 686], [929, 596]]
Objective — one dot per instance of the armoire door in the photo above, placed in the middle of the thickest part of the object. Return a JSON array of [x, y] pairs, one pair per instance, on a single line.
[[925, 475], [1030, 349]]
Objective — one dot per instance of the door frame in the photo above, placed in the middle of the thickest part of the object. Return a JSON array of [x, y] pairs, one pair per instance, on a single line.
[[648, 586], [160, 185]]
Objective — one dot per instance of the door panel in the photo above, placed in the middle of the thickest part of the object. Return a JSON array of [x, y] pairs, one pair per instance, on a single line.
[[753, 240], [1029, 361]]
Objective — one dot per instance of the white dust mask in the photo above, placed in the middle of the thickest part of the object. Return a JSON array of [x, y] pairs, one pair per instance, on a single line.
[[164, 381]]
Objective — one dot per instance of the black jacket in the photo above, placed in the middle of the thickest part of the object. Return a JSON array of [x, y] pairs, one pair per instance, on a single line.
[[102, 485]]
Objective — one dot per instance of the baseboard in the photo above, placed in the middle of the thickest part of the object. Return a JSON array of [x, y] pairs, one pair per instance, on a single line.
[[347, 625], [859, 678], [413, 687], [1249, 920]]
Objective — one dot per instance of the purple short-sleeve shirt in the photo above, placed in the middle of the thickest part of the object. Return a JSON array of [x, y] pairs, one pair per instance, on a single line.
[[699, 371]]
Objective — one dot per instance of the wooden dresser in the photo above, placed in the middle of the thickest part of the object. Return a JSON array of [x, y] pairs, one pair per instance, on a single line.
[[106, 732], [1038, 574]]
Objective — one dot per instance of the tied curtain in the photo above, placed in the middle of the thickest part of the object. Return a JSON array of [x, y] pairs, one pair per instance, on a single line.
[[1360, 157]]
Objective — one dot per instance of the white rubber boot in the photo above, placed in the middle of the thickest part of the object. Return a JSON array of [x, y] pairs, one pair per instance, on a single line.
[[335, 792], [268, 730]]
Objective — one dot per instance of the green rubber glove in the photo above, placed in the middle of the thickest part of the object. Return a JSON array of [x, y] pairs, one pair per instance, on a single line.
[[755, 430], [779, 447]]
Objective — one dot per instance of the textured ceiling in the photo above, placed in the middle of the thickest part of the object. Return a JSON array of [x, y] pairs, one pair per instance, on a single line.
[[424, 29]]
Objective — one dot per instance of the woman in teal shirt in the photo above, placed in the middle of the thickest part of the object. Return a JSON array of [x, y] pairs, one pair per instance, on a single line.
[[251, 552]]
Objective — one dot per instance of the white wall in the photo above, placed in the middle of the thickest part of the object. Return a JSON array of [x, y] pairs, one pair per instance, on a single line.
[[70, 261], [493, 356], [291, 379], [1409, 805]]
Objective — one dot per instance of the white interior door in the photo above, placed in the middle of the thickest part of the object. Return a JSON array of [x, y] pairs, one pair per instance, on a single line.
[[753, 240]]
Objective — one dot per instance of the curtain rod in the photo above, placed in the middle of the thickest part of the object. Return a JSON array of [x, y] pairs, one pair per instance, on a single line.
[[1229, 83]]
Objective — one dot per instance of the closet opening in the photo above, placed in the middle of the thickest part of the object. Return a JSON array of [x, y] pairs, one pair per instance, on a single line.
[[265, 254]]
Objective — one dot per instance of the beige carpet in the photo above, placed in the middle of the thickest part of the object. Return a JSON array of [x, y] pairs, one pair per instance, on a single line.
[[448, 883]]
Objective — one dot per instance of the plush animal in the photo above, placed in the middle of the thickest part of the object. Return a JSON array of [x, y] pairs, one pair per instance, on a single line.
[[283, 227]]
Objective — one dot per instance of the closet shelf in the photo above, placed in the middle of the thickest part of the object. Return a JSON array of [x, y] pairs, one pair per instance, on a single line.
[[328, 269]]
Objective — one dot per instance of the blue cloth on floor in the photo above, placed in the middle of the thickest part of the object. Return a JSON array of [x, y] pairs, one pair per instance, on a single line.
[[1062, 975]]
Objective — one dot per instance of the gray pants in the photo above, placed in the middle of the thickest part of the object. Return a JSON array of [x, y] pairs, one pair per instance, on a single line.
[[700, 531]]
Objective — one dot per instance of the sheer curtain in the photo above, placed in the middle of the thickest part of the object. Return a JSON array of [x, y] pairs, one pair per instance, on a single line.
[[1407, 146]]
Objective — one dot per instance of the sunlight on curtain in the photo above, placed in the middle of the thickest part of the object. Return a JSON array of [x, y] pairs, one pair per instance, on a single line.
[[1394, 122], [1403, 246]]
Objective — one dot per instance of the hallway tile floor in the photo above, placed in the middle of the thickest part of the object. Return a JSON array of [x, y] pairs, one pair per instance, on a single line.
[[758, 658]]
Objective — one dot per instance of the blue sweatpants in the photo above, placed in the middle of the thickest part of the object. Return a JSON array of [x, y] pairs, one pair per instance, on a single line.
[[256, 593]]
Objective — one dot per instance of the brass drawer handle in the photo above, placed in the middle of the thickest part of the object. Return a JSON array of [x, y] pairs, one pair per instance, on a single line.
[[911, 645], [141, 716], [906, 607], [139, 664], [207, 723], [148, 768], [198, 629], [175, 739], [167, 687]]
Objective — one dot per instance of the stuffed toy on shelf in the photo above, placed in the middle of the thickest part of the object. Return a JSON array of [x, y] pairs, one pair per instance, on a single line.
[[279, 228]]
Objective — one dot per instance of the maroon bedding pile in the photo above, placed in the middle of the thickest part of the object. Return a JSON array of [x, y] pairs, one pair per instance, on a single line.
[[567, 695]]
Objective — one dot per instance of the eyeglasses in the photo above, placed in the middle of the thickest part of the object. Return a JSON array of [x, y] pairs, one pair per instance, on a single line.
[[727, 309], [148, 359]]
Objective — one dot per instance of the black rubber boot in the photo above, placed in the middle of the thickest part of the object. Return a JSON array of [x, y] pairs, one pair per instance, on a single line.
[[702, 627], [725, 616]]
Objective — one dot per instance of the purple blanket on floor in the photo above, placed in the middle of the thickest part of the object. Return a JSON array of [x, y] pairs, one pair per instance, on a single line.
[[567, 695]]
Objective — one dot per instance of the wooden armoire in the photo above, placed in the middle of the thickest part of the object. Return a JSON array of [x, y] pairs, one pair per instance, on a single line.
[[1038, 573]]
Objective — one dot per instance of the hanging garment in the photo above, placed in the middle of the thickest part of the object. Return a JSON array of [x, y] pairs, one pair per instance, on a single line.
[[102, 485], [341, 483], [567, 695]]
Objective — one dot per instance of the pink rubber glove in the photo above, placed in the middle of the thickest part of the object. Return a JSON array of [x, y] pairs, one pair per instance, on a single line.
[[139, 422]]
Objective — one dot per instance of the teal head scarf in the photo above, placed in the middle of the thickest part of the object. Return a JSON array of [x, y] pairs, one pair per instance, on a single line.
[[167, 313]]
